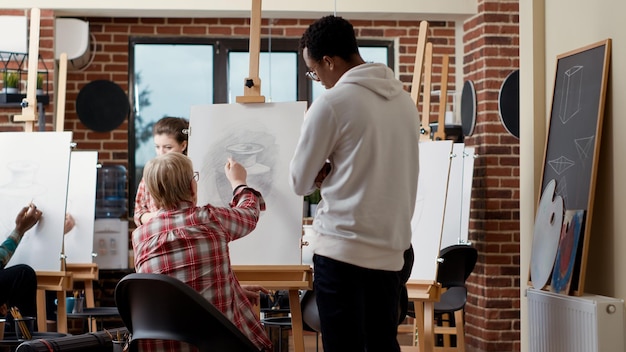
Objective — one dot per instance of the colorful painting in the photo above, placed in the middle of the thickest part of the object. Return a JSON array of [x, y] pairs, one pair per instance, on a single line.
[[568, 247]]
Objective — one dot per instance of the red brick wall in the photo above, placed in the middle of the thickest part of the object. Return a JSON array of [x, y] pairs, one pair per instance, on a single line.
[[491, 43]]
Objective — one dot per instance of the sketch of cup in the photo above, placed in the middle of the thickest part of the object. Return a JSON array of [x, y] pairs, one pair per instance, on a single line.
[[20, 189], [258, 174], [23, 173]]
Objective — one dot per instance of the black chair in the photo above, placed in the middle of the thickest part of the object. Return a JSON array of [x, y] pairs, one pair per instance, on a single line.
[[456, 264], [160, 307]]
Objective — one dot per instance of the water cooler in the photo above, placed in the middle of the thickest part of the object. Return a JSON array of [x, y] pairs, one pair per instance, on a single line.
[[110, 239]]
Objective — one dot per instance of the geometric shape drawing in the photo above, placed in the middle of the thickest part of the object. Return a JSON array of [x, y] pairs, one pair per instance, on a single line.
[[262, 137], [566, 254], [570, 99], [584, 147], [572, 147], [548, 222], [561, 164]]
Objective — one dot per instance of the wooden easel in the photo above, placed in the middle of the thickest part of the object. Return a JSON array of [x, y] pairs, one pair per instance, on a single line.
[[58, 281], [252, 84], [281, 277], [423, 293], [416, 84], [274, 277], [443, 101]]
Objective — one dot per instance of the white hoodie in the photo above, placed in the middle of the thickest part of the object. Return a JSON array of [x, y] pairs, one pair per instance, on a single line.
[[367, 126]]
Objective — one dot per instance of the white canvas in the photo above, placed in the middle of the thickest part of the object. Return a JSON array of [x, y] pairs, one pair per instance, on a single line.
[[427, 222], [456, 219], [34, 166], [81, 204], [263, 138]]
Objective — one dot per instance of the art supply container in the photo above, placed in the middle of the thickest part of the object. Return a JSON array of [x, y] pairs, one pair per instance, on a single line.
[[111, 192], [24, 328], [118, 345], [78, 305]]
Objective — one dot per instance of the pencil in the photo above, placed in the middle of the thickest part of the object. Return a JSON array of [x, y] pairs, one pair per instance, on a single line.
[[15, 312]]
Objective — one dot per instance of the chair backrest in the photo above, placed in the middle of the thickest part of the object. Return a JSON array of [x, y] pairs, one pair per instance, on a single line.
[[457, 264], [156, 306]]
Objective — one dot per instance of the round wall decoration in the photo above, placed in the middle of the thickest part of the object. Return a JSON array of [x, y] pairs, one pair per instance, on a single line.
[[468, 108], [508, 103], [102, 105]]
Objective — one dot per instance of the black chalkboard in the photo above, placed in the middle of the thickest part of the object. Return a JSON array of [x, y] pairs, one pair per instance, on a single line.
[[573, 142]]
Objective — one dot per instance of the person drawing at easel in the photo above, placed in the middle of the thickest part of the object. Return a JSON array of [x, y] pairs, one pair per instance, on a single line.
[[18, 283], [170, 134], [190, 242]]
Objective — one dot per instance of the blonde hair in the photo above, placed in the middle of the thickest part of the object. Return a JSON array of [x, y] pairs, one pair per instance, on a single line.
[[168, 178]]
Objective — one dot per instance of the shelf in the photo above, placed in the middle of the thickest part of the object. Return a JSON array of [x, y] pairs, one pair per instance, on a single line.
[[14, 100]]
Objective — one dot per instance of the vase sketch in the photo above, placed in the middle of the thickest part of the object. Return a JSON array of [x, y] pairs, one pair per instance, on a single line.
[[258, 174], [20, 189]]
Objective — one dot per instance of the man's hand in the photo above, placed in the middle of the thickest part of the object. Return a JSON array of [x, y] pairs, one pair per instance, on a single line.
[[27, 218]]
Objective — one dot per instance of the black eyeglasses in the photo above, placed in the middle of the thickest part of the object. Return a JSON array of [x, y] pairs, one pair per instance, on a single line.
[[196, 175], [312, 76]]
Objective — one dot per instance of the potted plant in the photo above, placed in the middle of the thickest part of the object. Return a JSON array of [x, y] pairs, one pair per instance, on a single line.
[[313, 199], [40, 84], [11, 82]]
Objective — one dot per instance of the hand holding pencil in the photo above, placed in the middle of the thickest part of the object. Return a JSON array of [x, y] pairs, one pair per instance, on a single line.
[[27, 218]]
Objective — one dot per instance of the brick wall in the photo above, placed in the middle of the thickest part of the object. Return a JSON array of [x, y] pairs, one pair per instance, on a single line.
[[490, 53], [491, 42]]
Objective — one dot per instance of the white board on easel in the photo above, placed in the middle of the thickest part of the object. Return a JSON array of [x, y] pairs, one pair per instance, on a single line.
[[262, 137], [35, 167], [456, 219], [81, 204], [427, 222]]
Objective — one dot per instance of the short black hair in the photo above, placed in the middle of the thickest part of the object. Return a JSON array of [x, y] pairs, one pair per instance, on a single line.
[[331, 36]]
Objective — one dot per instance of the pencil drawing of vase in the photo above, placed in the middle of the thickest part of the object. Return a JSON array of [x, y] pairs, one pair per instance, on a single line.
[[259, 176], [21, 189]]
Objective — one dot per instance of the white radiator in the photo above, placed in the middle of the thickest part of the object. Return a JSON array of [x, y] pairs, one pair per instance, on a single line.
[[589, 323]]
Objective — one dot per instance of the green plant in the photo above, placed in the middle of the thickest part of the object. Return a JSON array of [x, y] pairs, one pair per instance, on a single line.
[[11, 80], [315, 197], [40, 81]]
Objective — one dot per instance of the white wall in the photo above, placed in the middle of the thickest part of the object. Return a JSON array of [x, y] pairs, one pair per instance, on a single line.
[[396, 9], [547, 29]]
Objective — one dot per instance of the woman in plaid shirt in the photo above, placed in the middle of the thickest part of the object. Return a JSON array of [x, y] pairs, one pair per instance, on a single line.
[[190, 243]]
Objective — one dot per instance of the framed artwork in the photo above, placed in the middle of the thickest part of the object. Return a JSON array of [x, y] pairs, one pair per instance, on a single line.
[[571, 156]]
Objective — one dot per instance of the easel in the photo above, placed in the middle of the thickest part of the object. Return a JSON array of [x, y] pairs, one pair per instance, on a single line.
[[416, 84], [62, 280], [443, 101], [274, 277], [281, 277], [252, 84], [46, 280], [423, 293]]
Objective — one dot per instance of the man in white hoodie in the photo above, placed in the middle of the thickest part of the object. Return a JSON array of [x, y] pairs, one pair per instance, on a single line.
[[359, 145]]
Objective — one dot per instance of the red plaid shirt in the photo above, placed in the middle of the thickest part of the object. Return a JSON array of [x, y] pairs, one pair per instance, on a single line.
[[143, 203], [191, 244]]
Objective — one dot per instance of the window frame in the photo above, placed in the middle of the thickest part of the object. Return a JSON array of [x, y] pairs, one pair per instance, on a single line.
[[222, 47]]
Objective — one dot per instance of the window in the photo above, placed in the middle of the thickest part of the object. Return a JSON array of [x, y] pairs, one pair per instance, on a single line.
[[169, 75]]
